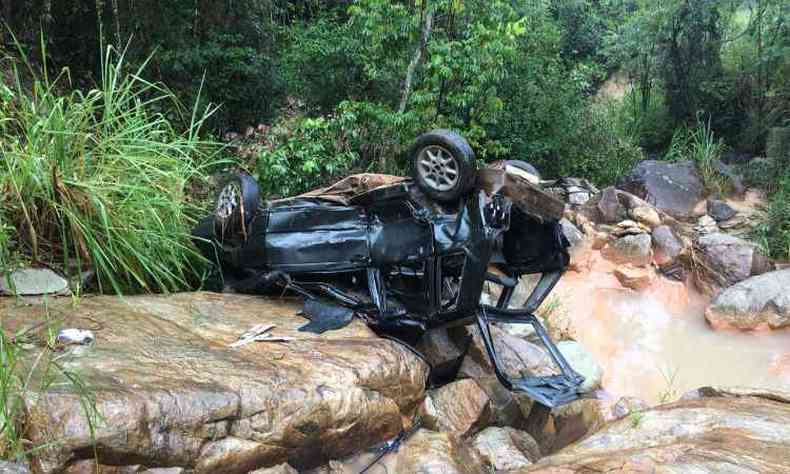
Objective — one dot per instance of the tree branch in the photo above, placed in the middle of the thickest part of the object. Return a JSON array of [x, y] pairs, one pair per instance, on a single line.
[[415, 61]]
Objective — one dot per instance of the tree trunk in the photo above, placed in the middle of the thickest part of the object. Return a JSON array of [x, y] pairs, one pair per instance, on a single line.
[[415, 61]]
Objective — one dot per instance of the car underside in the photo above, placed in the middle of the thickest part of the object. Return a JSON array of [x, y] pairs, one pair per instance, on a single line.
[[396, 254]]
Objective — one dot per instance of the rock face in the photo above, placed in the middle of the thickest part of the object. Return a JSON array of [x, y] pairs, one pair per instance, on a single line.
[[760, 301], [33, 281], [633, 249], [505, 449], [172, 393], [461, 407], [674, 188], [720, 432], [574, 236]]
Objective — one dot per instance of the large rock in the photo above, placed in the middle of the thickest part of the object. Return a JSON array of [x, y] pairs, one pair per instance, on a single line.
[[759, 301], [675, 188], [667, 246], [582, 362], [425, 452], [33, 281], [720, 211], [461, 408], [730, 433], [635, 278], [505, 449], [574, 235], [722, 260], [170, 391], [634, 249]]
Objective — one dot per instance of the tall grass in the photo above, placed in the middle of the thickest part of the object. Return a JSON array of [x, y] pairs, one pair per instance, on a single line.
[[99, 180], [28, 367], [700, 145]]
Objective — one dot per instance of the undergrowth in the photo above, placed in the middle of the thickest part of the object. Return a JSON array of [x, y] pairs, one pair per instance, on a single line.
[[699, 145], [98, 180], [31, 364]]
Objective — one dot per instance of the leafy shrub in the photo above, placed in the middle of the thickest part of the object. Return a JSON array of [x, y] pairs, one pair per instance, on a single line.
[[97, 180], [699, 145], [302, 153], [774, 233]]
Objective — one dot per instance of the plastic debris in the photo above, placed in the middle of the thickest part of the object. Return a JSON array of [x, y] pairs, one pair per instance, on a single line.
[[74, 336]]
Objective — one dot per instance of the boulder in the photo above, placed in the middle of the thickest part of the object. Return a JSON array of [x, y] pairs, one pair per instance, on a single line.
[[582, 362], [461, 408], [425, 452], [666, 244], [629, 227], [743, 433], [635, 278], [673, 187], [759, 301], [720, 211], [170, 391], [646, 215], [722, 260], [33, 281], [505, 449], [633, 249]]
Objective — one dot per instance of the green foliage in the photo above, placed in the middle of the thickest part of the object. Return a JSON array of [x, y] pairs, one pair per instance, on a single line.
[[24, 371], [97, 180], [700, 145], [303, 153], [774, 232]]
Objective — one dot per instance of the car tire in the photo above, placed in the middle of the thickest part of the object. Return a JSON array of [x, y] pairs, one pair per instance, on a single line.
[[443, 165], [236, 205], [525, 167]]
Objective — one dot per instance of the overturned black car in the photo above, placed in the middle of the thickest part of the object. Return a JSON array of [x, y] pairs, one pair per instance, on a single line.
[[405, 255]]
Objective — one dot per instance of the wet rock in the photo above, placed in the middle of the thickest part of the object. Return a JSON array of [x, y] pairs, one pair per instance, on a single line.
[[633, 249], [720, 210], [574, 236], [461, 408], [575, 420], [34, 281], [279, 469], [609, 206], [708, 435], [438, 347], [667, 245], [646, 215], [518, 356], [759, 301], [635, 278], [627, 406], [425, 452], [171, 392], [582, 362], [8, 467], [673, 187], [722, 261], [504, 449]]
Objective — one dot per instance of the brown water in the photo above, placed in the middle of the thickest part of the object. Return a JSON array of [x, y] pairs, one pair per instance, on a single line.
[[656, 345]]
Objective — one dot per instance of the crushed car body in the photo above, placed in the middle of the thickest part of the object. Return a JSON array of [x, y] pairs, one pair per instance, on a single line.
[[405, 255]]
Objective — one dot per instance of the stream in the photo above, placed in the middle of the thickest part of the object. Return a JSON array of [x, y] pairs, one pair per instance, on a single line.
[[656, 344]]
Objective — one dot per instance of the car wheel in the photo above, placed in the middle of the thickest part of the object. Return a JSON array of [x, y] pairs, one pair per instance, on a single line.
[[236, 205], [533, 175], [443, 165]]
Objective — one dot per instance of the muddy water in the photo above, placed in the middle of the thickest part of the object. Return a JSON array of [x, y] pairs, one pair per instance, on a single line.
[[656, 345]]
